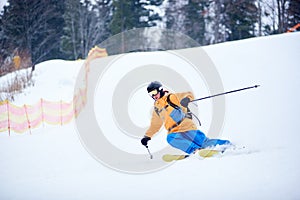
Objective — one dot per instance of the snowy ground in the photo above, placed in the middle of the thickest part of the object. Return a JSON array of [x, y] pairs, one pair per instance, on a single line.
[[52, 163]]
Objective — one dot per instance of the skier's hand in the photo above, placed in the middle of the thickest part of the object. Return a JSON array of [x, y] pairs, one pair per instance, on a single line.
[[145, 140], [185, 101]]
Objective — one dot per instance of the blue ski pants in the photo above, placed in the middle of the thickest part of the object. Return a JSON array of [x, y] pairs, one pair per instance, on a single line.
[[191, 140]]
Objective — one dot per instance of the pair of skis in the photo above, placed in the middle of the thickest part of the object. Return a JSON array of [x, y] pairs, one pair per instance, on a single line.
[[207, 153], [204, 153]]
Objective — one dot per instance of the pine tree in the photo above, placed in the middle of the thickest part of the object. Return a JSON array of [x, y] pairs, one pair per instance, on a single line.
[[133, 14], [195, 20], [128, 15], [5, 45], [240, 18]]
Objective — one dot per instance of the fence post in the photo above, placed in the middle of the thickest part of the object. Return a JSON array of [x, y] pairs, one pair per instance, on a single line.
[[75, 106], [42, 109], [61, 122], [28, 122], [8, 117]]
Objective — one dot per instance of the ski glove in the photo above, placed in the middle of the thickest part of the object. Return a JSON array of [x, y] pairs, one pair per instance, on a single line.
[[145, 140], [185, 102]]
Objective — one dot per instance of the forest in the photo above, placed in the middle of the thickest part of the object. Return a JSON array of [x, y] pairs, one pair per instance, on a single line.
[[37, 30]]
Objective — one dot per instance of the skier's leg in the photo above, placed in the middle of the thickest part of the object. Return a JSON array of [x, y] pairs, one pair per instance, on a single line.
[[187, 141], [178, 141], [214, 142], [196, 136]]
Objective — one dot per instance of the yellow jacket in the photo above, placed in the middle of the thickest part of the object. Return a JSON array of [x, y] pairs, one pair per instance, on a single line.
[[162, 114]]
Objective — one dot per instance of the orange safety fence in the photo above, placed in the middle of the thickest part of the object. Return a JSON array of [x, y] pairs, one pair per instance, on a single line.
[[24, 118], [294, 28]]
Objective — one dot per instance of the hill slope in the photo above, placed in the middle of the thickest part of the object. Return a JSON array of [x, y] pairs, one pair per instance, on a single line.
[[52, 164]]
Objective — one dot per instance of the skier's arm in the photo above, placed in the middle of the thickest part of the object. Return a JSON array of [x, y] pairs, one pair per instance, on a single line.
[[185, 98], [188, 95], [156, 123]]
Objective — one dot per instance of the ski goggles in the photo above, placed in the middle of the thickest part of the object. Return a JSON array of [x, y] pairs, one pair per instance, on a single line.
[[153, 93]]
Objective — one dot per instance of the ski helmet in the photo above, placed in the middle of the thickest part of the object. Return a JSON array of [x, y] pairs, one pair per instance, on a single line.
[[155, 85]]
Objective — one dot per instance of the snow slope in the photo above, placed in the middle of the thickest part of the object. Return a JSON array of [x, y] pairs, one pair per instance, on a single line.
[[52, 163], [53, 80]]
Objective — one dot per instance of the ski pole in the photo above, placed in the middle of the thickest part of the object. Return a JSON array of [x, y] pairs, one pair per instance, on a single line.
[[151, 156], [246, 88]]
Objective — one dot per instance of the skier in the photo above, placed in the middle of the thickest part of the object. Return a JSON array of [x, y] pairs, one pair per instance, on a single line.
[[171, 109]]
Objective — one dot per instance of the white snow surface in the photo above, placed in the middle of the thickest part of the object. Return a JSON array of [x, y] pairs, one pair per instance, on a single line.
[[51, 163]]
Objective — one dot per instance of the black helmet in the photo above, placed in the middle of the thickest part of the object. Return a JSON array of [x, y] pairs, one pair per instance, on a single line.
[[155, 85]]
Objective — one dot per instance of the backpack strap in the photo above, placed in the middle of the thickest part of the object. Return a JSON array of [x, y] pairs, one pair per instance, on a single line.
[[187, 115], [171, 103]]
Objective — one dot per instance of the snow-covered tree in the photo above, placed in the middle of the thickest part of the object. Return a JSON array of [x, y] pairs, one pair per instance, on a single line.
[[86, 25], [34, 26], [240, 19]]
